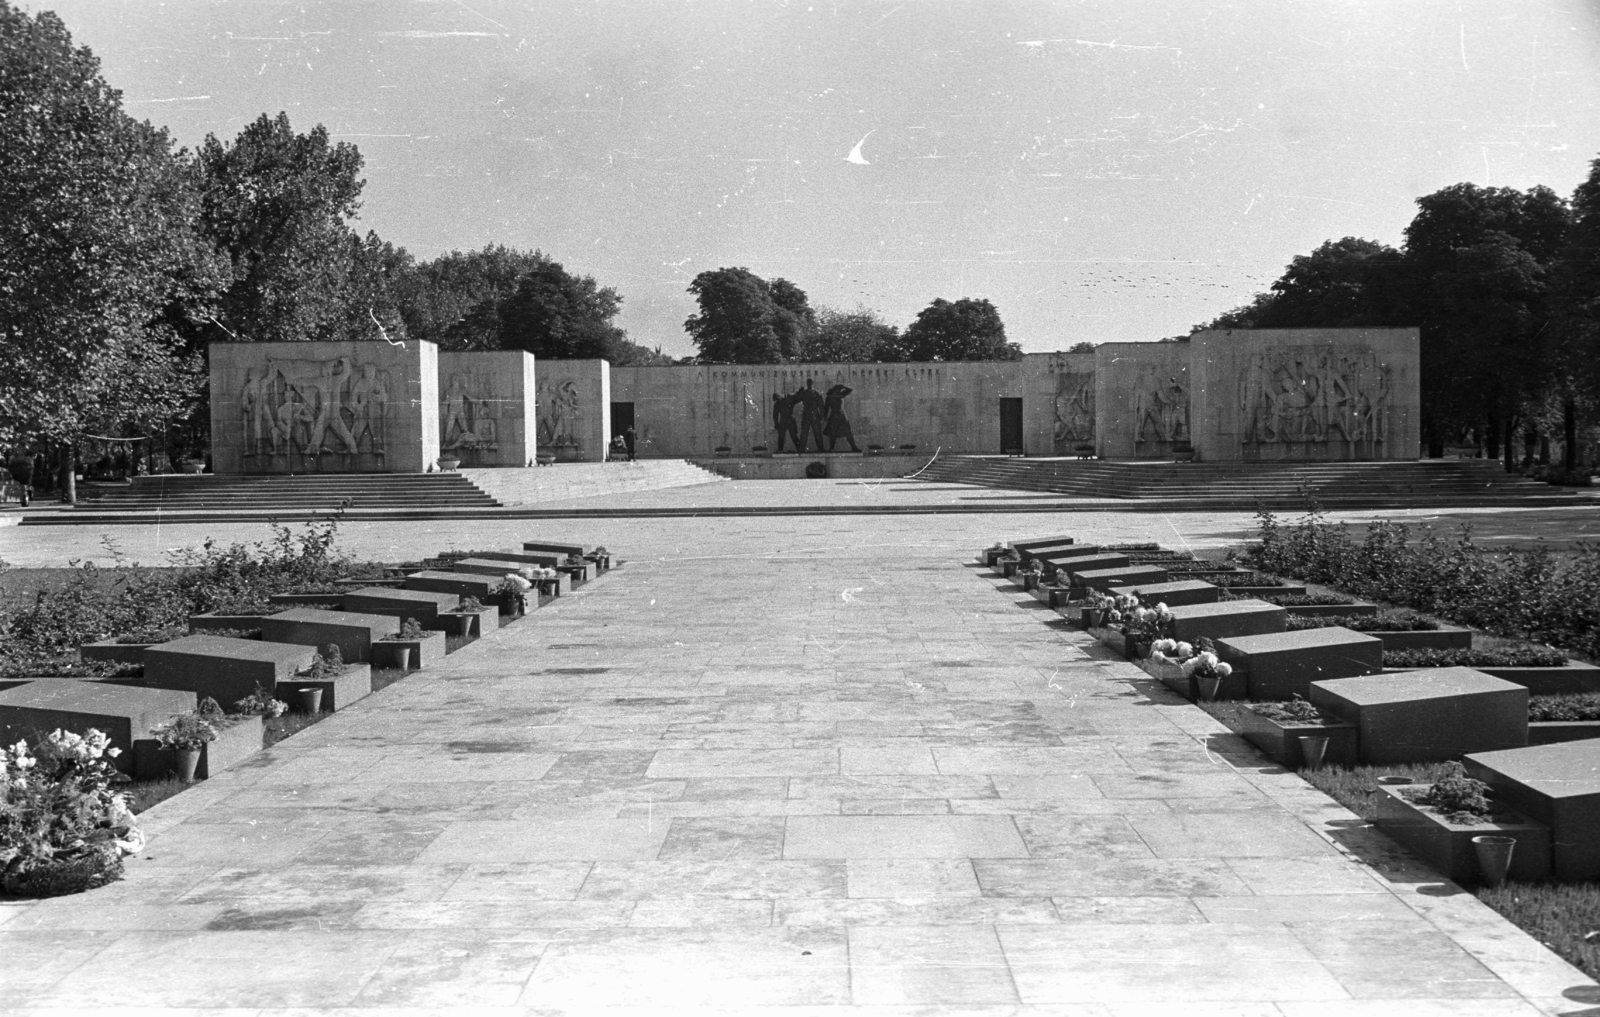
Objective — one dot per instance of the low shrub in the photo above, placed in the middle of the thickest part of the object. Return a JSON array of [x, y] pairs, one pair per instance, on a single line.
[[1310, 599], [154, 635], [327, 664], [1458, 797], [1229, 579], [1573, 706], [1383, 621], [1518, 656], [1296, 711], [1533, 594]]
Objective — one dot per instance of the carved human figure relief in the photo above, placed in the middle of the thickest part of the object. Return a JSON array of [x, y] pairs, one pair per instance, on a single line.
[[1074, 408]]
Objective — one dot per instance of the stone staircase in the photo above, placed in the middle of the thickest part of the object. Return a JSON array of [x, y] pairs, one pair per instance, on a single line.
[[289, 495], [1425, 483]]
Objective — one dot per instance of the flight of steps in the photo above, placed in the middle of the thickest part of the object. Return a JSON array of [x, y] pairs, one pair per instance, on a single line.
[[1426, 483], [288, 495]]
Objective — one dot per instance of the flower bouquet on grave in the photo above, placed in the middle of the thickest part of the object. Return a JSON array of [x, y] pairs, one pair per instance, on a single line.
[[1030, 573], [62, 827], [1142, 626], [1097, 610], [1171, 651], [513, 592], [1009, 561], [1206, 670], [994, 553], [261, 703]]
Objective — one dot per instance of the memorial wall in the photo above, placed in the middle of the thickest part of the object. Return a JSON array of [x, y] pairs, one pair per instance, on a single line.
[[341, 407], [1265, 394], [483, 407]]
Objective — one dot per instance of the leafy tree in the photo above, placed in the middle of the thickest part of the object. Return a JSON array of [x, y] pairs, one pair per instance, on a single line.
[[99, 256], [1343, 283], [792, 318], [454, 300], [736, 323], [279, 203], [1481, 258], [850, 337], [553, 313], [1577, 312], [1083, 347], [964, 330]]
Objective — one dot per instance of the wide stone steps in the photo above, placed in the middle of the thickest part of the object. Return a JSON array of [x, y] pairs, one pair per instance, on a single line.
[[1463, 483], [328, 491]]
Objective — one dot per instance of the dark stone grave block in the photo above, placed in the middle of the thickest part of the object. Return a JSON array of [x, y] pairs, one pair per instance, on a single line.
[[1357, 610], [211, 621], [1130, 575], [114, 652], [472, 623], [1558, 785], [124, 713], [1092, 563], [353, 632], [1574, 676], [1033, 547], [221, 667], [1281, 665], [1226, 619], [486, 567], [1428, 716], [1445, 637], [523, 559], [556, 547], [1176, 593], [1057, 555], [462, 584], [423, 605]]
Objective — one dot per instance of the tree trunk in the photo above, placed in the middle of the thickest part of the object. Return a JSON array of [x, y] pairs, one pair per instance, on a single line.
[[1510, 441], [1569, 428], [1544, 450], [1491, 438], [1530, 446], [69, 475]]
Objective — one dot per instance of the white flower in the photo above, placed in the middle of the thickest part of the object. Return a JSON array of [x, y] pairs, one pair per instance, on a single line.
[[522, 585], [1208, 658], [1224, 669], [1185, 650]]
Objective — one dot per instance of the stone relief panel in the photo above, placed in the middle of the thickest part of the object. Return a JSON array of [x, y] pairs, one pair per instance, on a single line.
[[558, 415], [468, 418], [1074, 410], [306, 408], [1161, 406], [1316, 396]]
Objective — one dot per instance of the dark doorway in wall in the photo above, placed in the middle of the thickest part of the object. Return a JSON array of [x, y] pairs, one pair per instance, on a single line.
[[1011, 426], [622, 423]]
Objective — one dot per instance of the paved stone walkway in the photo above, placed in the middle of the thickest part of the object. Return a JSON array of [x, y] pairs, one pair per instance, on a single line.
[[789, 781]]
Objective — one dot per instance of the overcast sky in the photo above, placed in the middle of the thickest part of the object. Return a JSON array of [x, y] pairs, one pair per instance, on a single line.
[[1110, 170]]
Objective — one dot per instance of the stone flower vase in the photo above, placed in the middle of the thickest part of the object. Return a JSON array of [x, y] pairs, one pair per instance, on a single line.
[[402, 657], [1313, 749], [311, 700], [1494, 857], [1209, 685], [188, 761]]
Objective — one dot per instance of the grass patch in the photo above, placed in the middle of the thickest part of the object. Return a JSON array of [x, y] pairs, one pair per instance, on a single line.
[[1563, 916], [276, 729], [145, 793]]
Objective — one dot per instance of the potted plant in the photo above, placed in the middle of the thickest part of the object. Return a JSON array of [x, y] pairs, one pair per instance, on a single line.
[[1141, 626], [325, 666], [410, 632], [186, 735], [63, 829], [260, 703], [1206, 671]]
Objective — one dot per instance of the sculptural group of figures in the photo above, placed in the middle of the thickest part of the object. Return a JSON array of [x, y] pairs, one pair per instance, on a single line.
[[465, 422], [558, 413], [1286, 396], [309, 407], [821, 417], [1074, 408], [1161, 406]]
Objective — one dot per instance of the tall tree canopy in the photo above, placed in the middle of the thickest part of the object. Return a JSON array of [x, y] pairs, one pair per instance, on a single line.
[[851, 337], [553, 313], [1344, 282], [792, 318], [279, 203], [454, 300], [964, 330], [99, 256], [737, 319]]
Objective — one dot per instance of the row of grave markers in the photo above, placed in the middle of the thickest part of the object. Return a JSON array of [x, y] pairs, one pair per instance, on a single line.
[[361, 622], [1370, 715]]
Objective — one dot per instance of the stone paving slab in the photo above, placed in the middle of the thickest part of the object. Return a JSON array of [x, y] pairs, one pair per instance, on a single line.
[[811, 773]]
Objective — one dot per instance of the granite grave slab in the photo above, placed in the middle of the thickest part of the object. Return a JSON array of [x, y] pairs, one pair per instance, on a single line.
[[1426, 716], [352, 631], [1176, 593], [423, 605], [462, 584], [224, 668], [125, 713], [1281, 665], [339, 690], [1558, 785], [1106, 579], [1227, 619]]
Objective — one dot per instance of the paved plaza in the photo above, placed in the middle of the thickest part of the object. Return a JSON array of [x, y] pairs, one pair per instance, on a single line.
[[776, 766]]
